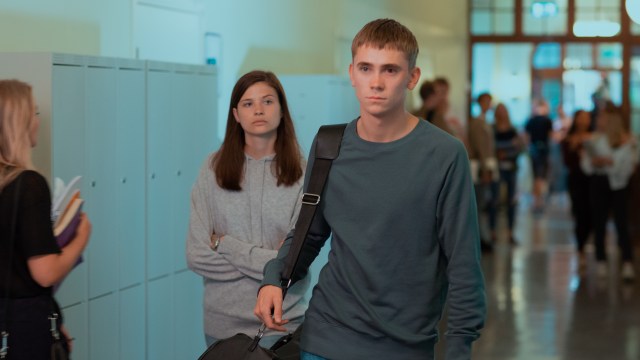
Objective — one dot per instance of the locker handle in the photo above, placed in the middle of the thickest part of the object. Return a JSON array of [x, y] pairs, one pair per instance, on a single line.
[[93, 183], [124, 180]]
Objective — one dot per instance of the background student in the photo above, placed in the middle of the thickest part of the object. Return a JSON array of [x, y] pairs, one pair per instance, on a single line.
[[243, 204], [36, 261]]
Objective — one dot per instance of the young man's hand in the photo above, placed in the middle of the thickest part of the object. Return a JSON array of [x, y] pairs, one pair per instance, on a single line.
[[270, 302]]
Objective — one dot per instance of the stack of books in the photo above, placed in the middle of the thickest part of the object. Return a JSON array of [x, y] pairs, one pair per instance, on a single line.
[[66, 210]]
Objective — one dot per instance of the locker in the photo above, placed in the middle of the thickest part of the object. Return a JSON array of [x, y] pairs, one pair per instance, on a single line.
[[100, 204], [103, 327], [132, 324], [160, 322], [130, 171]]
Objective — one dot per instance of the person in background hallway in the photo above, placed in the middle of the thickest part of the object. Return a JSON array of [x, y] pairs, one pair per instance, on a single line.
[[538, 130], [431, 109], [243, 204], [610, 157], [577, 181], [453, 122], [484, 166], [37, 262], [509, 144], [399, 207]]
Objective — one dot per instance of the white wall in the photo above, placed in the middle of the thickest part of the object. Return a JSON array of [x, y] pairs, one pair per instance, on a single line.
[[285, 36]]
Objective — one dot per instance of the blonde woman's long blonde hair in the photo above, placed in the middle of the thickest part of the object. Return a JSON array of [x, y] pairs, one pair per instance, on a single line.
[[16, 117]]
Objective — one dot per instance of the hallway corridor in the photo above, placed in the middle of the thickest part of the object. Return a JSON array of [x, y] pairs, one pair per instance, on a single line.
[[540, 307]]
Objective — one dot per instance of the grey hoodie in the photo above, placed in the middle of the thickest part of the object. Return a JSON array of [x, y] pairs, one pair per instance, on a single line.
[[253, 221]]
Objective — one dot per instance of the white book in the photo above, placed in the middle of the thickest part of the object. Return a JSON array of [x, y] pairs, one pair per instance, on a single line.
[[62, 196]]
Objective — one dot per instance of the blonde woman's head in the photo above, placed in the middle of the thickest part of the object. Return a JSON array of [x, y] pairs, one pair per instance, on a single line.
[[501, 116], [18, 128]]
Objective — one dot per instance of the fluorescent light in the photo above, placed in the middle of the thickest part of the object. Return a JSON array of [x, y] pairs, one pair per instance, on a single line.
[[633, 9], [603, 28]]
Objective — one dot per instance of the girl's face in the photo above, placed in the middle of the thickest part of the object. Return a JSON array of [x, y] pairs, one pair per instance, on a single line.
[[602, 122], [500, 115], [583, 121], [258, 112]]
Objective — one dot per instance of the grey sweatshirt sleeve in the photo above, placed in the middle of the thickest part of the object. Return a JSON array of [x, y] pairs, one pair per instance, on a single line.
[[200, 257], [250, 259], [458, 234]]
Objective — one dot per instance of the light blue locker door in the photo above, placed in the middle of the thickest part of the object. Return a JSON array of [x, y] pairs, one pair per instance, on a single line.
[[101, 180], [307, 103], [68, 155], [132, 323], [188, 330], [184, 127], [75, 321], [160, 174], [103, 327], [208, 116], [160, 323], [130, 172]]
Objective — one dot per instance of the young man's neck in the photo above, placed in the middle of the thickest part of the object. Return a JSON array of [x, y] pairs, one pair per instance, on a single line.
[[386, 128]]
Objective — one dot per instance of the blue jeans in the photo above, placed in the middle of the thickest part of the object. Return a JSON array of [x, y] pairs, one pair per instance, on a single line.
[[309, 356]]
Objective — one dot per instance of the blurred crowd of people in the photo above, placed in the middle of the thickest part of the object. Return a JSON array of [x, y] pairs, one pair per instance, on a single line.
[[591, 155]]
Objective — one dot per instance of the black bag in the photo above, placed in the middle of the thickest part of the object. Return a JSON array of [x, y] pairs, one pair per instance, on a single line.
[[60, 346], [59, 350], [243, 347], [237, 347], [288, 346]]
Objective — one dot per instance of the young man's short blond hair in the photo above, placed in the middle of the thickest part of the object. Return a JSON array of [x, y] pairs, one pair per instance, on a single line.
[[387, 33]]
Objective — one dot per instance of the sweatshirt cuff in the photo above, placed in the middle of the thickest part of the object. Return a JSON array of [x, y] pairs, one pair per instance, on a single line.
[[272, 273], [459, 347]]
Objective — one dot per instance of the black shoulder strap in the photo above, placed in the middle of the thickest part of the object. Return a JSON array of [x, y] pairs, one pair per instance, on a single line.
[[5, 318], [328, 143]]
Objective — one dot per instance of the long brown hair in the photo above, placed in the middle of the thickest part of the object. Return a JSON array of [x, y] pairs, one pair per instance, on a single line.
[[228, 163], [16, 117]]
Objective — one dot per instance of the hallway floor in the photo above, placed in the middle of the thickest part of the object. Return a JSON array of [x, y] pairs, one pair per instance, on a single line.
[[542, 307]]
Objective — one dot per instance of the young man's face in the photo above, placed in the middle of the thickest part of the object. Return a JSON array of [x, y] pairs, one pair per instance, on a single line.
[[381, 78]]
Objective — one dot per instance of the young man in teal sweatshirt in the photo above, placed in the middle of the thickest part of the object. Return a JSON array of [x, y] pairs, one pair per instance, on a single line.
[[400, 206]]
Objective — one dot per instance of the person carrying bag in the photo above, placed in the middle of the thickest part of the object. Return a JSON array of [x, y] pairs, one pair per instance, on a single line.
[[243, 347]]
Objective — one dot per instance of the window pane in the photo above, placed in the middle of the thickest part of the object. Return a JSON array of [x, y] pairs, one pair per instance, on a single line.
[[597, 18], [610, 56], [544, 17], [481, 23], [635, 90], [547, 56], [504, 4], [504, 24], [579, 56], [635, 28], [481, 4]]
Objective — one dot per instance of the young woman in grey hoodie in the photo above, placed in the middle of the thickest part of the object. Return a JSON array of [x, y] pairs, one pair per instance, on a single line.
[[243, 204]]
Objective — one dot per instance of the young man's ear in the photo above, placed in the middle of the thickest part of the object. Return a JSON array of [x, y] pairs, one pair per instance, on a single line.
[[351, 74], [414, 77]]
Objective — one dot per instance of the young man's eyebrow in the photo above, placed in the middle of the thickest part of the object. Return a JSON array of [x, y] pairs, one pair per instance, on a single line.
[[363, 63]]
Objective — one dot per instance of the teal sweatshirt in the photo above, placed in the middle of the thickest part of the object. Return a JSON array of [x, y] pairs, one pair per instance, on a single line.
[[405, 239]]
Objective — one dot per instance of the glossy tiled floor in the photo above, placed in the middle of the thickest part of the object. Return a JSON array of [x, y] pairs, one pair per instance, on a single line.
[[541, 307]]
